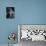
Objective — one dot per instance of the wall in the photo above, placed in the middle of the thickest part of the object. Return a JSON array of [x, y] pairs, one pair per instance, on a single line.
[[31, 11], [27, 12], [7, 25]]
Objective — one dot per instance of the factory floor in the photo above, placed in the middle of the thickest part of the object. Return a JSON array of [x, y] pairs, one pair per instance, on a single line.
[[28, 43], [32, 43]]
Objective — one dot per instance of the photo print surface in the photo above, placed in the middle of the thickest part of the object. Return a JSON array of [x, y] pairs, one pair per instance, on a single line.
[[10, 12], [32, 32]]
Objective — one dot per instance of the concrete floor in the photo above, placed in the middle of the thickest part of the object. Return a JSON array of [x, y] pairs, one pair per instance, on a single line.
[[7, 45], [28, 43], [34, 43]]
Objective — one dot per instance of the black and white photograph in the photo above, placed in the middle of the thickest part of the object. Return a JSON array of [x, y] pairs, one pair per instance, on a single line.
[[31, 34], [10, 12]]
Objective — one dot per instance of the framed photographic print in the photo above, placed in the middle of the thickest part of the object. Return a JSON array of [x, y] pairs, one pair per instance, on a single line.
[[32, 32], [10, 12]]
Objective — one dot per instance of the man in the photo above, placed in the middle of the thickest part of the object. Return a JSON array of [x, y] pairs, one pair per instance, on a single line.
[[10, 12]]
